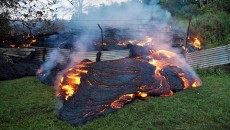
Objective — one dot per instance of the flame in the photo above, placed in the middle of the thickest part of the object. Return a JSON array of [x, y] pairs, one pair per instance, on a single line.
[[197, 43], [34, 40], [196, 83], [26, 45], [69, 91]]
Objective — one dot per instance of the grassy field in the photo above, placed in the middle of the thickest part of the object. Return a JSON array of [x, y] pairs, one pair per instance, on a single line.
[[28, 104]]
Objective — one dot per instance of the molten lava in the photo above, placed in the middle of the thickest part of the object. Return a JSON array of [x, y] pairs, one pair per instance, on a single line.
[[12, 45], [71, 80], [92, 89]]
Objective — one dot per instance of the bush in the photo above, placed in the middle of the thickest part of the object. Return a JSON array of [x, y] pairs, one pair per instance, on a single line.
[[213, 27], [4, 25], [210, 23]]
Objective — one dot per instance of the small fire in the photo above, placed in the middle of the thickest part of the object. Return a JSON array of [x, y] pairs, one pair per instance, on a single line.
[[196, 83], [197, 43], [69, 90], [34, 41], [185, 49], [26, 45]]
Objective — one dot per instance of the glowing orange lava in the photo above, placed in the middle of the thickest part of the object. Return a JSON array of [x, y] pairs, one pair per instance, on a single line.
[[119, 103], [196, 83], [71, 80], [142, 94]]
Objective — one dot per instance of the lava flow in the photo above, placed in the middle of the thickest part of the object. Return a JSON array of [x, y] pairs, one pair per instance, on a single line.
[[92, 89]]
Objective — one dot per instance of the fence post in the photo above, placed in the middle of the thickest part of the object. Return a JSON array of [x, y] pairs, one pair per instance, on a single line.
[[44, 54]]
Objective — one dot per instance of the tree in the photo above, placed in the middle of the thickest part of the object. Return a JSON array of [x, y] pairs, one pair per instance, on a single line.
[[78, 5], [27, 9], [23, 10]]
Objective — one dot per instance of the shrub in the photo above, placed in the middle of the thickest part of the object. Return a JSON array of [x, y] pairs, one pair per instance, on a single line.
[[213, 27]]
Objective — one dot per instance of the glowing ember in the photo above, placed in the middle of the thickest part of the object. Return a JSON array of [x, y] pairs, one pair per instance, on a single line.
[[12, 45], [142, 94], [34, 40]]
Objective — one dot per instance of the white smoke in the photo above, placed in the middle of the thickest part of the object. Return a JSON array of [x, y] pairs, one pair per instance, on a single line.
[[139, 19], [134, 19]]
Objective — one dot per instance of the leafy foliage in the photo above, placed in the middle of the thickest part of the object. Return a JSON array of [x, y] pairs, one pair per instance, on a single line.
[[213, 27], [27, 9], [22, 10], [4, 25], [210, 22]]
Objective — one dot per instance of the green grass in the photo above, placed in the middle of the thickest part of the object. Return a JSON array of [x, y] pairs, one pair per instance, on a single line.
[[27, 104]]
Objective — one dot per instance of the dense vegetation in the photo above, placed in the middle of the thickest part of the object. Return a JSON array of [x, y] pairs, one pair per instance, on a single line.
[[28, 104], [210, 21]]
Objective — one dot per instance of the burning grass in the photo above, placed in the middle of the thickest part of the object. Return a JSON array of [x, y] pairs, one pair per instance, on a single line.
[[28, 104]]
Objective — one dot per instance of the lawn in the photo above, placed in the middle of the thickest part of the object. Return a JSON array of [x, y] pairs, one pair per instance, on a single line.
[[28, 104]]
